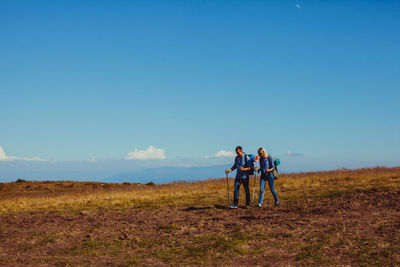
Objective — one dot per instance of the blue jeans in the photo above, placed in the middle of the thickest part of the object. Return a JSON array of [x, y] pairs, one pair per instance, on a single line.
[[263, 179], [238, 181]]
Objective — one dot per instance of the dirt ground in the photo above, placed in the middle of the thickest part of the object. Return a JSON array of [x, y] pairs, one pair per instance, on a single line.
[[360, 228]]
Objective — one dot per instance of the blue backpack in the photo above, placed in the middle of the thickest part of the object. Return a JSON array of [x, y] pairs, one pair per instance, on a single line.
[[276, 163], [249, 162]]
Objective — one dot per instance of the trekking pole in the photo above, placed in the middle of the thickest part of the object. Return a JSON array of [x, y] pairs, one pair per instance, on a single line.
[[254, 187], [227, 187]]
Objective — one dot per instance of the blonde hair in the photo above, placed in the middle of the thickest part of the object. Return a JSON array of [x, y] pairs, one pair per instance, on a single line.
[[264, 152]]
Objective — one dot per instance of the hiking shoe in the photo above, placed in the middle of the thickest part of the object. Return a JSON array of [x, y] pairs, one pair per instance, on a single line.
[[247, 206], [277, 204], [259, 206], [233, 207]]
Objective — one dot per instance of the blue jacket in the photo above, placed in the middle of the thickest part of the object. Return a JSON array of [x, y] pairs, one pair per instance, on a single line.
[[266, 163], [239, 163]]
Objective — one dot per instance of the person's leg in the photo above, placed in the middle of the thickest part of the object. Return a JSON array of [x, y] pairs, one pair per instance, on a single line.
[[247, 189], [236, 192], [271, 187], [262, 187]]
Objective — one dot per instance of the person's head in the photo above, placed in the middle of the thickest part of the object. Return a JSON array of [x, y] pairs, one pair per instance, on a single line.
[[239, 150], [262, 152]]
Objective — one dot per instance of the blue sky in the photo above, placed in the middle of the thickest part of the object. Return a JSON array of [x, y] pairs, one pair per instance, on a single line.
[[99, 79]]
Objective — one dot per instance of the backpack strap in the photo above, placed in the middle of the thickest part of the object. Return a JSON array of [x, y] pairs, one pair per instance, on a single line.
[[270, 162]]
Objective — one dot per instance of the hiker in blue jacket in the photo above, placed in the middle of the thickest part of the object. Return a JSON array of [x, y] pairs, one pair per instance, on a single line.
[[242, 176], [266, 168]]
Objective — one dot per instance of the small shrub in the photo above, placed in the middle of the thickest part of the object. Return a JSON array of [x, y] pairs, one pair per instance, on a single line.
[[20, 181], [150, 184]]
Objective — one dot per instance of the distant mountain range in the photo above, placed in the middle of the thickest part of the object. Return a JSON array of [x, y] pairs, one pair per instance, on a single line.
[[168, 174], [117, 171]]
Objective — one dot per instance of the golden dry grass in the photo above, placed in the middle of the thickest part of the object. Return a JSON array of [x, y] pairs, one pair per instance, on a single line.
[[342, 217], [81, 195]]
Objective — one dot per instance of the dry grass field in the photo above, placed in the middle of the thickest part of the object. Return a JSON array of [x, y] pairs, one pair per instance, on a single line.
[[343, 217]]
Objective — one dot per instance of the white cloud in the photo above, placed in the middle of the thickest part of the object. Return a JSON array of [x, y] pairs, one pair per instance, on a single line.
[[224, 153], [298, 5], [91, 159], [33, 159], [5, 157], [293, 154], [150, 153], [220, 154]]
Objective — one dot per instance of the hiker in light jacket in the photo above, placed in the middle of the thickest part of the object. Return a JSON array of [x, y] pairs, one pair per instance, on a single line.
[[266, 168], [242, 176]]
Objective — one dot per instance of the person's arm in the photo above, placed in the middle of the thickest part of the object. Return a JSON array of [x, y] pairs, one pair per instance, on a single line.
[[261, 161], [232, 168], [246, 169], [270, 164]]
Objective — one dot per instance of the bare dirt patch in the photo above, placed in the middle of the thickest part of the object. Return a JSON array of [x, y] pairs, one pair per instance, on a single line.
[[354, 228]]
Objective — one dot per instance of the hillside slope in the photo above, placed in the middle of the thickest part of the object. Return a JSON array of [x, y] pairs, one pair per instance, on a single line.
[[346, 217]]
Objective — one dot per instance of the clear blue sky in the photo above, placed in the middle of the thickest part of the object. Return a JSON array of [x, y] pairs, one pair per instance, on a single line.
[[82, 79]]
